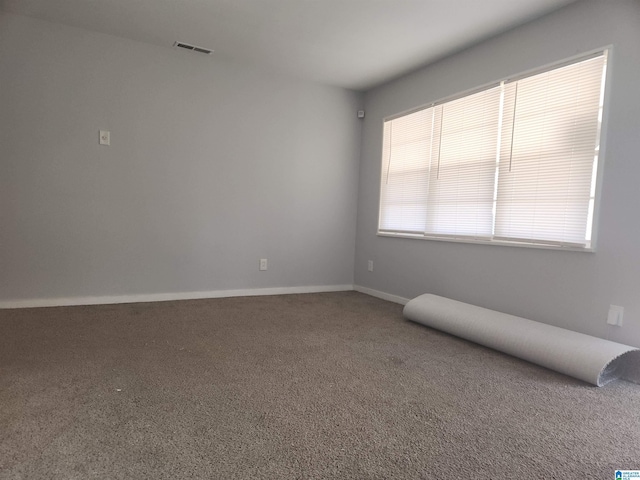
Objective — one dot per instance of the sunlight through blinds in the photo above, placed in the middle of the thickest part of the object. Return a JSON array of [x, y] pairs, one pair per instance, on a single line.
[[462, 179], [406, 155], [515, 162], [549, 153]]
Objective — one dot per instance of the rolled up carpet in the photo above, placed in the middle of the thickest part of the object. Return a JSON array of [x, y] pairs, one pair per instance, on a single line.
[[587, 358]]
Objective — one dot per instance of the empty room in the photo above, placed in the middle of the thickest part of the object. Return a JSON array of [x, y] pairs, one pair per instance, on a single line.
[[319, 239]]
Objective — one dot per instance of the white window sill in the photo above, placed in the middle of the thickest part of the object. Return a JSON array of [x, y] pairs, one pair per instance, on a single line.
[[488, 242]]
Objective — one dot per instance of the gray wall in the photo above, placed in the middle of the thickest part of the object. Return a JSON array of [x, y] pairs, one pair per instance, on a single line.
[[212, 165], [568, 289], [215, 164]]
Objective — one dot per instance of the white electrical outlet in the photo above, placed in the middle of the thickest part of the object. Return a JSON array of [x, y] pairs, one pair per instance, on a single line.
[[263, 264], [370, 266], [105, 137], [615, 315]]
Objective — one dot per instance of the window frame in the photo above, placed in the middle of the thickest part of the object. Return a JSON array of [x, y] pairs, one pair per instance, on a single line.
[[546, 245]]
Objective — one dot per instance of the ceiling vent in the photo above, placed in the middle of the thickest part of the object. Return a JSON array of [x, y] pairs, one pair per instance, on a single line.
[[193, 48]]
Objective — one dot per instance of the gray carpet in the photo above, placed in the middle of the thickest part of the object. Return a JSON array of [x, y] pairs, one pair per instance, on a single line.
[[333, 385]]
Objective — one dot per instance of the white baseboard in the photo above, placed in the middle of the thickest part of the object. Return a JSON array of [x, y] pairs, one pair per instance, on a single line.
[[162, 297], [382, 295]]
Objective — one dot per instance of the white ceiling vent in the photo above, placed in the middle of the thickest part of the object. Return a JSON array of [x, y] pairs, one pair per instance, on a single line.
[[187, 46]]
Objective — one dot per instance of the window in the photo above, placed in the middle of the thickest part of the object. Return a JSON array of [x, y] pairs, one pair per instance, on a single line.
[[513, 163]]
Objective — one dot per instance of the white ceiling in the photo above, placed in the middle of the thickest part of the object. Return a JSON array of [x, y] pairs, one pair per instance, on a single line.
[[354, 44]]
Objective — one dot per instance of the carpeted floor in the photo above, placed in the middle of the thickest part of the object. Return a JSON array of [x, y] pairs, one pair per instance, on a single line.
[[315, 386]]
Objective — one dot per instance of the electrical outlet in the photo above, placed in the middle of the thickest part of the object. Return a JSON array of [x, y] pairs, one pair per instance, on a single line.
[[263, 264], [370, 266], [105, 137], [615, 315]]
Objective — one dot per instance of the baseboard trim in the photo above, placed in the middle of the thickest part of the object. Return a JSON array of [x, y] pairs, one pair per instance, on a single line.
[[383, 295], [163, 297]]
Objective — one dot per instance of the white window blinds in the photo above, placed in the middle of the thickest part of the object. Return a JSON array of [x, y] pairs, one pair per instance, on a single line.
[[406, 154], [462, 177], [515, 162], [548, 154]]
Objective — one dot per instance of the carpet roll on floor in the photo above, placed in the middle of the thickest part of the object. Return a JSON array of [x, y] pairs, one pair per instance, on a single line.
[[587, 358]]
